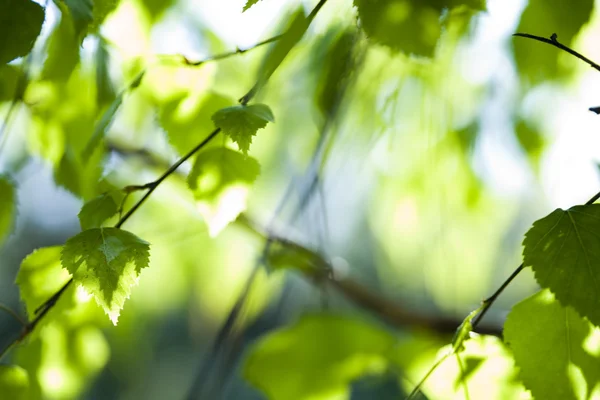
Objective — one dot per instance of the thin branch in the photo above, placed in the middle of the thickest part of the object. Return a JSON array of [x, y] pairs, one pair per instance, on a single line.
[[553, 40], [222, 56]]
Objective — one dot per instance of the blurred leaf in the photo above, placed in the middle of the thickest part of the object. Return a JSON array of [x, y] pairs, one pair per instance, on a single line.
[[14, 383], [9, 79], [63, 48], [219, 179], [531, 141], [280, 49], [240, 123], [187, 128], [550, 341], [410, 26], [249, 4], [20, 24], [538, 62], [334, 70], [105, 92], [77, 176], [561, 248], [464, 331], [107, 263], [102, 127], [40, 276], [157, 8], [100, 10], [8, 207], [468, 368], [81, 14], [96, 211], [319, 356]]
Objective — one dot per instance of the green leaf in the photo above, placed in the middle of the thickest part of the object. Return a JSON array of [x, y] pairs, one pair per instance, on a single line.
[[40, 276], [63, 49], [219, 179], [318, 356], [9, 80], [96, 211], [105, 92], [335, 67], [410, 26], [537, 62], [14, 382], [102, 127], [20, 25], [240, 123], [249, 4], [101, 9], [562, 249], [82, 16], [80, 176], [8, 207], [277, 53], [464, 331], [557, 351], [187, 128], [107, 263]]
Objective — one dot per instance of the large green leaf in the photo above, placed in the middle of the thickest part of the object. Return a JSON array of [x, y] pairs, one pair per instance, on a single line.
[[563, 249], [14, 383], [107, 263], [20, 24], [219, 179], [240, 123], [317, 357], [410, 26], [536, 61], [8, 207], [557, 351]]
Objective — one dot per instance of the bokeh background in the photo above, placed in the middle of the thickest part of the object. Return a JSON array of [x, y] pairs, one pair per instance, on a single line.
[[419, 182]]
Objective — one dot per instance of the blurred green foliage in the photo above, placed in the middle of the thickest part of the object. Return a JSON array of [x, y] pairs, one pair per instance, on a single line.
[[380, 170]]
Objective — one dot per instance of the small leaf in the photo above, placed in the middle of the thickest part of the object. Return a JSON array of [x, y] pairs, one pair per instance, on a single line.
[[81, 13], [8, 207], [240, 123], [319, 356], [249, 4], [107, 263], [14, 383], [96, 211], [100, 10], [63, 49], [20, 25], [219, 180], [464, 331], [562, 249], [40, 276], [556, 350]]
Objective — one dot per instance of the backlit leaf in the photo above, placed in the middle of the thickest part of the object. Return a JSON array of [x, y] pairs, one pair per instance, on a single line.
[[20, 24], [240, 123], [556, 350], [319, 356], [40, 276], [562, 249], [8, 207], [219, 180], [14, 382], [96, 211], [107, 263], [102, 127]]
